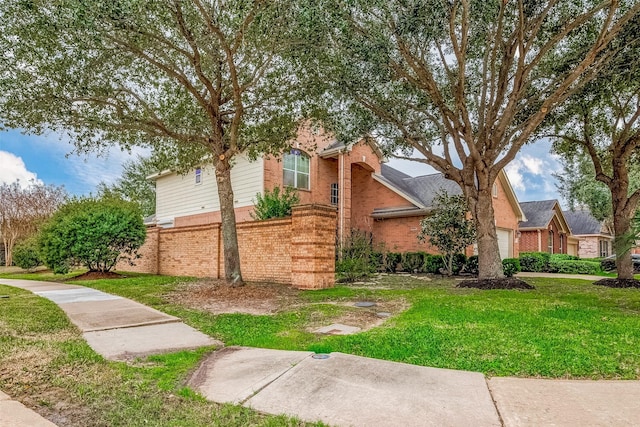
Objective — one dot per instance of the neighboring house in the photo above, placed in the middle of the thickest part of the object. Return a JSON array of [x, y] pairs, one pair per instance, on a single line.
[[546, 229], [594, 238], [368, 195]]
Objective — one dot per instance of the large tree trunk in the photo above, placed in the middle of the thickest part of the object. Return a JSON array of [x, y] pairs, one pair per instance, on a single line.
[[622, 242], [489, 261], [232, 273]]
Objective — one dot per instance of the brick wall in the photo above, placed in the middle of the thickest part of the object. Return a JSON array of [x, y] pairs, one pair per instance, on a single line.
[[299, 250], [529, 241]]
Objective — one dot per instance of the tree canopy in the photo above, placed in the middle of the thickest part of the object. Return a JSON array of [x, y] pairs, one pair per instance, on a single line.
[[598, 131], [464, 83], [200, 79]]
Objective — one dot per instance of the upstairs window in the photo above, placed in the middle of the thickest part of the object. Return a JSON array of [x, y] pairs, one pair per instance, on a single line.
[[296, 170], [198, 175], [494, 190]]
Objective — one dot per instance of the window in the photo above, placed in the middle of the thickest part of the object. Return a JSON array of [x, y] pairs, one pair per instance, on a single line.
[[296, 170], [494, 190], [334, 193], [198, 175], [604, 248], [550, 241]]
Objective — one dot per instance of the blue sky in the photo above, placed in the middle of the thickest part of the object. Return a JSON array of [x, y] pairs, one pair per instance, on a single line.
[[48, 159]]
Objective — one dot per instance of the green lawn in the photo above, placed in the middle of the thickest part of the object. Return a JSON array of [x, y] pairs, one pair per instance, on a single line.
[[563, 329]]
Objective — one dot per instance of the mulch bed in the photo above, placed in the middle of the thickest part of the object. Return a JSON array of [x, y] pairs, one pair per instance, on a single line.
[[95, 275], [489, 284], [619, 283]]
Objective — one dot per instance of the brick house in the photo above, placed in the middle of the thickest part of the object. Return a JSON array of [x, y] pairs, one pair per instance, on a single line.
[[594, 237], [546, 229], [367, 194]]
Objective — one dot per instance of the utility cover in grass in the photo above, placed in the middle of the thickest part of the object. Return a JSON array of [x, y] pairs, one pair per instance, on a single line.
[[338, 329], [489, 284]]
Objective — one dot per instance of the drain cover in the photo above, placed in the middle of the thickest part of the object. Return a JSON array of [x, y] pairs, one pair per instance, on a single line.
[[365, 304], [320, 356]]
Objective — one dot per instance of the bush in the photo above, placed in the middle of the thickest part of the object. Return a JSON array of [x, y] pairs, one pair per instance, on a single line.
[[537, 262], [574, 267], [391, 261], [275, 204], [96, 233], [563, 257], [459, 261], [357, 258], [510, 266], [433, 263], [413, 262], [471, 266], [25, 254], [608, 264]]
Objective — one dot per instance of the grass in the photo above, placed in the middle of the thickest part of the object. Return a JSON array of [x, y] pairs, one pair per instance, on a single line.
[[566, 328]]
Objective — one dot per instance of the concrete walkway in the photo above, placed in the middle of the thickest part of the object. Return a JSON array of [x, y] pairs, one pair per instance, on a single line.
[[560, 276], [338, 389]]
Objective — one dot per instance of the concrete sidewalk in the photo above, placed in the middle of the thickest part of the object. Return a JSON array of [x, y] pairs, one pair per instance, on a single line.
[[338, 389], [345, 390]]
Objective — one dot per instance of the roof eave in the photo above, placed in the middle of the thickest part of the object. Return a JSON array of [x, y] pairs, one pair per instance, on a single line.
[[398, 191]]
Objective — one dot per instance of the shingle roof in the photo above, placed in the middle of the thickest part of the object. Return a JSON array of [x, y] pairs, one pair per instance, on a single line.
[[538, 213], [421, 188], [582, 222]]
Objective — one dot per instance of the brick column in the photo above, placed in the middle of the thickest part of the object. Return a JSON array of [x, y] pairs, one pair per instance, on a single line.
[[313, 246]]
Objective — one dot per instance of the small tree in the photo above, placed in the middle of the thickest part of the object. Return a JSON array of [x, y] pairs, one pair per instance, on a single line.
[[275, 204], [448, 227], [96, 233], [26, 254]]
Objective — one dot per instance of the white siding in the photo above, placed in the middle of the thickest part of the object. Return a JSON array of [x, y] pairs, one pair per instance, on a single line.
[[179, 195]]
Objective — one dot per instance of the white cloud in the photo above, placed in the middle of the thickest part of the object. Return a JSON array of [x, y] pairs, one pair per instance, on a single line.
[[533, 165], [515, 176], [13, 169]]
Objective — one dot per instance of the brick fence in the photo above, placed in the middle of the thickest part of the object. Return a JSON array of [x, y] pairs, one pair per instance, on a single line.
[[299, 250]]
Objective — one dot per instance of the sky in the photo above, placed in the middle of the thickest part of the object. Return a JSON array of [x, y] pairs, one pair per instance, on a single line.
[[49, 159]]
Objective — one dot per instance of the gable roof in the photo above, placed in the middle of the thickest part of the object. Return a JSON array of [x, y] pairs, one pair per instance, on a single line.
[[421, 190], [583, 223], [540, 213]]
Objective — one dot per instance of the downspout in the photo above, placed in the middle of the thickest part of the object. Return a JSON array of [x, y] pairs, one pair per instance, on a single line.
[[341, 204], [539, 241]]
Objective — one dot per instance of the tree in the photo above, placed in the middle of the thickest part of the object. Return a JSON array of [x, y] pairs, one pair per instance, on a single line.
[[599, 131], [448, 227], [464, 83], [133, 184], [23, 209], [198, 79], [96, 233]]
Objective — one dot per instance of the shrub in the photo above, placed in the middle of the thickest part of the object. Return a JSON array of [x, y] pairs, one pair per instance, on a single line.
[[574, 267], [563, 257], [459, 261], [471, 266], [534, 261], [25, 254], [413, 262], [510, 266], [608, 264], [433, 263], [391, 261], [356, 260], [96, 233], [275, 204]]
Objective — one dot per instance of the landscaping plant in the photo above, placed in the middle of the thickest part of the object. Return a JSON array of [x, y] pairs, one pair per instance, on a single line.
[[275, 204], [448, 228], [95, 233]]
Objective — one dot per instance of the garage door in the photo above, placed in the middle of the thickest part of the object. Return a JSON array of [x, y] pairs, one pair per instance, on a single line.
[[504, 243]]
